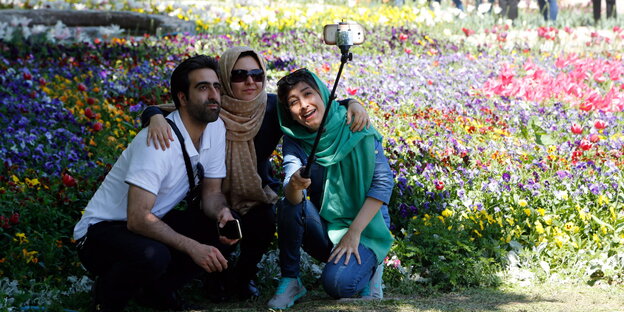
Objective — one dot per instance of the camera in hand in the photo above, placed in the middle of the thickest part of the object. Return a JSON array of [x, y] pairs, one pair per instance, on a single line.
[[231, 230]]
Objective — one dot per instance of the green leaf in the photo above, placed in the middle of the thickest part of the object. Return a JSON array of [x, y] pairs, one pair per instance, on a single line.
[[544, 139]]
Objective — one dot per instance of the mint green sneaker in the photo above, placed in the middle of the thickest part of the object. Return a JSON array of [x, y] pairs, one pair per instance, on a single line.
[[288, 291], [374, 289]]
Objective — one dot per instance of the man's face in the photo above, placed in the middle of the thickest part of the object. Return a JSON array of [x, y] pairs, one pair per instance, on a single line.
[[204, 100]]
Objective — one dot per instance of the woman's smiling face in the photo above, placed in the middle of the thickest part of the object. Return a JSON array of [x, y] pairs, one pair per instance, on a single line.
[[306, 106]]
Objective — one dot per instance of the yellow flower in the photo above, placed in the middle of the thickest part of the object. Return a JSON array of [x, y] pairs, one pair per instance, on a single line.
[[21, 238], [33, 182], [603, 200], [522, 203], [527, 211], [568, 226], [441, 218], [447, 213], [15, 179], [541, 211], [539, 228], [30, 256], [548, 220]]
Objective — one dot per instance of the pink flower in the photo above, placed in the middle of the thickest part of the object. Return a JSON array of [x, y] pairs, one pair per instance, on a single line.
[[594, 138], [403, 37], [600, 124], [468, 32], [351, 91], [68, 180], [439, 185], [585, 145], [576, 129]]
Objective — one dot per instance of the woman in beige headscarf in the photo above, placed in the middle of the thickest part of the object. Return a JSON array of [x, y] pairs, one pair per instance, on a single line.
[[253, 132]]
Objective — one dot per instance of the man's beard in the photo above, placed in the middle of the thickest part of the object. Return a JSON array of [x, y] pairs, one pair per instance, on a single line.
[[202, 113]]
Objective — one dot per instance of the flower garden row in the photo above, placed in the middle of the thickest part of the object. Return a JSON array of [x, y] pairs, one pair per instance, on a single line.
[[493, 151]]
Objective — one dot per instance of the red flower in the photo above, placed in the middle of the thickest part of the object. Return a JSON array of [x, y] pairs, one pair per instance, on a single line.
[[600, 124], [27, 76], [403, 37], [89, 113], [429, 82], [97, 126], [468, 32], [90, 101], [4, 223], [576, 129], [439, 185], [82, 87], [594, 138], [97, 41], [585, 145], [408, 51], [351, 91], [14, 218], [42, 82], [326, 67], [68, 180]]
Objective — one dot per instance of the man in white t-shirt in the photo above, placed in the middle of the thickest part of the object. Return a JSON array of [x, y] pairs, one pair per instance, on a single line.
[[130, 237]]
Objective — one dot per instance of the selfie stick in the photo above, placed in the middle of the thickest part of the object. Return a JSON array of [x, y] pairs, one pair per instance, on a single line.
[[344, 42]]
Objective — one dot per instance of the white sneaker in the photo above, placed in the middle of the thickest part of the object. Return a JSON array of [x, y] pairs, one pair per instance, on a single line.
[[288, 291]]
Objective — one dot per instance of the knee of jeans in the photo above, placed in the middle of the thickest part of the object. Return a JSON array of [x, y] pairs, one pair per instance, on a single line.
[[154, 260], [338, 282], [287, 212]]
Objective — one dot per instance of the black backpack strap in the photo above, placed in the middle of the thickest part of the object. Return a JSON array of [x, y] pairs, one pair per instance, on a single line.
[[187, 159]]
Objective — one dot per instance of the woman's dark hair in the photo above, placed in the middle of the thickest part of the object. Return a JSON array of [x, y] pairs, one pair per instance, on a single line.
[[179, 77], [289, 81], [252, 54]]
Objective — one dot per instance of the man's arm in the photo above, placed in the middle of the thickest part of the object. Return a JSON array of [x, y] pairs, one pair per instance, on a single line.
[[215, 205], [142, 221]]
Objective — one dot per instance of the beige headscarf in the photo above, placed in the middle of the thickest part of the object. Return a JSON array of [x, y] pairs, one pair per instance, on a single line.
[[242, 185]]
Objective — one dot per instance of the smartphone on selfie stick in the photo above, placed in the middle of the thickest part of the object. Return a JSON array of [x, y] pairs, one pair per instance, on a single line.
[[344, 35], [231, 230]]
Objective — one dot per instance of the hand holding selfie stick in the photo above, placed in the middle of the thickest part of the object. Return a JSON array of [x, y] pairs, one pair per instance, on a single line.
[[345, 35]]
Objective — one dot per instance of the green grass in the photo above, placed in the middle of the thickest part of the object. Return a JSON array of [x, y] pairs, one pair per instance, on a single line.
[[519, 297]]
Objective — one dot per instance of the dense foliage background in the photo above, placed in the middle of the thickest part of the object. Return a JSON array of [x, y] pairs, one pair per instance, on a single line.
[[504, 139]]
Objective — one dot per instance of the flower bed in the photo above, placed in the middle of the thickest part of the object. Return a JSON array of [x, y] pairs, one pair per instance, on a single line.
[[505, 156]]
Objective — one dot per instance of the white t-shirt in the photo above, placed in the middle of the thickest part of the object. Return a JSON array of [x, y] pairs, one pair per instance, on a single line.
[[162, 173]]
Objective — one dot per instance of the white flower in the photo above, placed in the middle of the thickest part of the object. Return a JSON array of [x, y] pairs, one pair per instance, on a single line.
[[60, 31], [20, 21], [38, 29], [26, 32], [484, 8], [111, 31]]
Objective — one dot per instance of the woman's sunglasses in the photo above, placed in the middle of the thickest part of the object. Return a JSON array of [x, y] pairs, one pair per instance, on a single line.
[[240, 75]]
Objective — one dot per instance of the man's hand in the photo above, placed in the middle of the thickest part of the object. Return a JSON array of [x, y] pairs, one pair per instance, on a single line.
[[209, 258], [357, 116], [222, 218]]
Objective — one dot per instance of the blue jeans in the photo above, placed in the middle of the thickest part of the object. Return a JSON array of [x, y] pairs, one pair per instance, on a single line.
[[549, 10], [300, 226]]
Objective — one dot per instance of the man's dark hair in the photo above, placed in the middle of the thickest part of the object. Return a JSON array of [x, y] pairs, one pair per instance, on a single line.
[[289, 81], [179, 77]]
